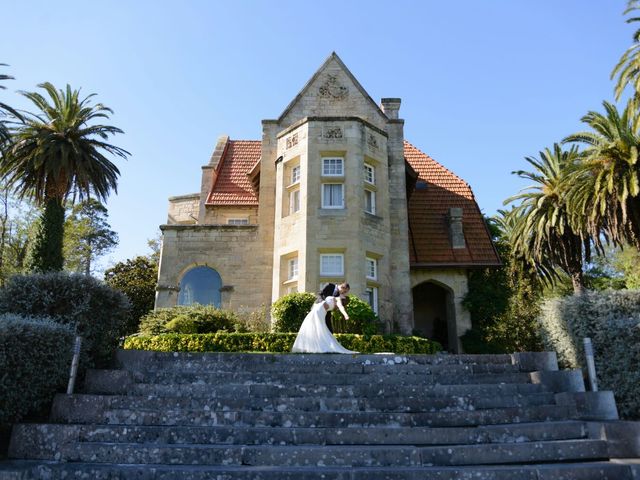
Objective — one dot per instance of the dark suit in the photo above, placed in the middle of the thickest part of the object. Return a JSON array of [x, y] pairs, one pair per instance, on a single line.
[[330, 290]]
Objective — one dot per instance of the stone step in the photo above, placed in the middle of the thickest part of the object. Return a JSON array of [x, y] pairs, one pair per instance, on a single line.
[[335, 378], [415, 403], [43, 441], [204, 417], [332, 455], [135, 359], [337, 391], [26, 470]]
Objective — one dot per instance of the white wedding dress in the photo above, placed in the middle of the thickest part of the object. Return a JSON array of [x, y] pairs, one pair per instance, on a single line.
[[314, 335]]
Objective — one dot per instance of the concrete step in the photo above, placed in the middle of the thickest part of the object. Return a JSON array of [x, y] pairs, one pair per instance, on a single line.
[[334, 378], [26, 470], [324, 403], [209, 417], [194, 390], [43, 441]]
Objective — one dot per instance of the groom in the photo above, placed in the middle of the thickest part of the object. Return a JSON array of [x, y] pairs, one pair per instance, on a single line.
[[331, 290]]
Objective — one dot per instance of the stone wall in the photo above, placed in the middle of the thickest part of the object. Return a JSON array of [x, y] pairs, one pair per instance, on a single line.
[[183, 209], [225, 248]]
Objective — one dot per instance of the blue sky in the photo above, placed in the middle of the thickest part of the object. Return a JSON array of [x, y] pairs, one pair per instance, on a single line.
[[483, 83]]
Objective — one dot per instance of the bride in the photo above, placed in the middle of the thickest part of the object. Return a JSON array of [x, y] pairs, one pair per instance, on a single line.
[[314, 336]]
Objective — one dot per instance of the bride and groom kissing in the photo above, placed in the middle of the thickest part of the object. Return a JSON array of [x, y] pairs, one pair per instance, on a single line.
[[315, 334]]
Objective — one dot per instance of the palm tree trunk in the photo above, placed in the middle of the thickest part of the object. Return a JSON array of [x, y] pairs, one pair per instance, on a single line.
[[46, 251], [577, 280]]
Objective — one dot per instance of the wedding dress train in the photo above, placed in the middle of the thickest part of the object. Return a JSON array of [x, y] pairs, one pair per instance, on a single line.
[[314, 336]]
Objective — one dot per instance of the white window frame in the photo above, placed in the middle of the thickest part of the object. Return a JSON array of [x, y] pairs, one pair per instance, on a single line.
[[237, 221], [371, 268], [324, 199], [294, 201], [371, 193], [328, 164], [331, 273], [295, 175], [369, 174], [292, 268], [372, 296]]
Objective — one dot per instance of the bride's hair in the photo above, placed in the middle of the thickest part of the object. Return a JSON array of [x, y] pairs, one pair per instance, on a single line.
[[345, 301]]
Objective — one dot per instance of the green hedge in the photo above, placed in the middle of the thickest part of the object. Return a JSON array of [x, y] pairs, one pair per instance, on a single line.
[[188, 319], [289, 311], [612, 320], [275, 343], [98, 312], [35, 356]]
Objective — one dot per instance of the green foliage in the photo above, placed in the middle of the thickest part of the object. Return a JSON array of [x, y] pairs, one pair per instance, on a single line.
[[87, 236], [255, 321], [275, 343], [188, 319], [289, 311], [98, 312], [612, 320], [35, 355], [45, 250], [137, 279], [362, 318]]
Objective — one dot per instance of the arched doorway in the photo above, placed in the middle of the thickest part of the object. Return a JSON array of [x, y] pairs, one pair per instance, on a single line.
[[432, 313], [200, 285]]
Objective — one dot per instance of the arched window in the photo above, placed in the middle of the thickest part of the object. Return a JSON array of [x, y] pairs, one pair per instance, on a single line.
[[200, 285]]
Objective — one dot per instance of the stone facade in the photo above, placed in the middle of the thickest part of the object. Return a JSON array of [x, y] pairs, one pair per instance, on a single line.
[[329, 204]]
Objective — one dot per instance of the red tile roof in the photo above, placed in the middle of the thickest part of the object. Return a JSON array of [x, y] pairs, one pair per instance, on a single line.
[[232, 185], [437, 190]]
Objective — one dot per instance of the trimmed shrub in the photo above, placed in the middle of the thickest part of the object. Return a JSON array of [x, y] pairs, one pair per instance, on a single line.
[[288, 312], [188, 319], [612, 320], [95, 310], [253, 320], [35, 355], [275, 343]]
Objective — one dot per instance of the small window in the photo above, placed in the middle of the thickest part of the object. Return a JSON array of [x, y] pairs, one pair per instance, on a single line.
[[293, 269], [332, 195], [238, 221], [295, 175], [372, 268], [294, 201], [332, 167], [369, 174], [332, 265], [370, 202], [372, 298]]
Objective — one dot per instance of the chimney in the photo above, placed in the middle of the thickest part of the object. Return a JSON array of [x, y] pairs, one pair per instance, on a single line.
[[455, 228], [390, 107]]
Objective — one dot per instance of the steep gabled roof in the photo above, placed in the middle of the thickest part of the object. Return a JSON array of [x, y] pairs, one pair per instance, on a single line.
[[437, 190], [331, 58], [233, 185]]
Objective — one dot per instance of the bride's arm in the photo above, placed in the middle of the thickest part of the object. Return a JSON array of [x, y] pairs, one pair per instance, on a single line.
[[341, 308]]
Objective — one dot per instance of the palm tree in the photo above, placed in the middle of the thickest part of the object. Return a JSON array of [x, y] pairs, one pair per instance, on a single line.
[[5, 110], [539, 226], [58, 154], [628, 68], [603, 190]]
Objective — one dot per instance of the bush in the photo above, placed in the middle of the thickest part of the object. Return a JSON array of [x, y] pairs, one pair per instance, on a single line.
[[612, 320], [275, 343], [253, 320], [289, 311], [137, 279], [35, 356], [188, 319], [95, 310]]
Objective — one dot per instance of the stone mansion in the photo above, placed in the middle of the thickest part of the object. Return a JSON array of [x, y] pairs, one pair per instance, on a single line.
[[332, 192]]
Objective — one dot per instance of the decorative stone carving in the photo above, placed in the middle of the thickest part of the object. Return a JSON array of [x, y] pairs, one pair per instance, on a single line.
[[292, 140], [332, 132], [332, 89], [372, 141]]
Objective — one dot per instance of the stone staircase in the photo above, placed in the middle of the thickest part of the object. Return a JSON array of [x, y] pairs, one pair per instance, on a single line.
[[333, 417]]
